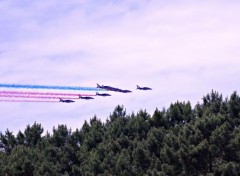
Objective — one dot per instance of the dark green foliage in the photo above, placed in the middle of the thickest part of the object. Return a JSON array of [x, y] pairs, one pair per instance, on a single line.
[[179, 113], [180, 140], [19, 162], [7, 142], [32, 134]]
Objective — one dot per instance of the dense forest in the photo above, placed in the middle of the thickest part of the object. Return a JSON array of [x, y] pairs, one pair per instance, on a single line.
[[179, 140]]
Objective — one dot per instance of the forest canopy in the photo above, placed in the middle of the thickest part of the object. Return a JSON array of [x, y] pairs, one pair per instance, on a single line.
[[179, 140]]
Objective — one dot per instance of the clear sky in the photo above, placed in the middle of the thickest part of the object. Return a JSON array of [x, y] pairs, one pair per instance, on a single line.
[[182, 49]]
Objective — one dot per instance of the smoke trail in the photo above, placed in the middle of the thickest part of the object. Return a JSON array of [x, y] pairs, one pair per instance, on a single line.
[[45, 93], [29, 101], [49, 87], [30, 96]]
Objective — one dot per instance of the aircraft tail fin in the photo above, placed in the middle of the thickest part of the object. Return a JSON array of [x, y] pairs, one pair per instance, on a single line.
[[138, 87]]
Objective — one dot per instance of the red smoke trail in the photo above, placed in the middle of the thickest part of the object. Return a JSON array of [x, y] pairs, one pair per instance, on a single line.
[[44, 93], [32, 101], [30, 96]]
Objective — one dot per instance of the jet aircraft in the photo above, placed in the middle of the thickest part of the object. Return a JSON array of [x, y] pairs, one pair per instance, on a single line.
[[144, 88], [66, 101], [126, 91], [85, 98], [109, 88], [102, 94]]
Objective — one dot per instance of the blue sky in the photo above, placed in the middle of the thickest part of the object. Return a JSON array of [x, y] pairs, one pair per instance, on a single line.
[[182, 49]]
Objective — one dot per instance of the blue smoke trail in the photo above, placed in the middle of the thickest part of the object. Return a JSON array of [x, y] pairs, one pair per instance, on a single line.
[[49, 87]]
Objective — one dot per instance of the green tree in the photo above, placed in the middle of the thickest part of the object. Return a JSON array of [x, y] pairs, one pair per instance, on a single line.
[[32, 134], [123, 164], [7, 141], [179, 113], [20, 163]]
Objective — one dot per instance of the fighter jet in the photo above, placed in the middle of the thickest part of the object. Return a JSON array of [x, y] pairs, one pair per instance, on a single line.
[[85, 98], [103, 94], [125, 91], [144, 88], [109, 88], [66, 101]]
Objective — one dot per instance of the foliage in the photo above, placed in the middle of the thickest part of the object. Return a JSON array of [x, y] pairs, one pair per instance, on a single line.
[[180, 140]]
